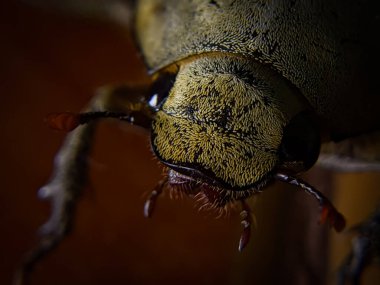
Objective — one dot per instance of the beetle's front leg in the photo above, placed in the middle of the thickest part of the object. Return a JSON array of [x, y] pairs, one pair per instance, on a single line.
[[65, 185], [246, 222], [71, 163]]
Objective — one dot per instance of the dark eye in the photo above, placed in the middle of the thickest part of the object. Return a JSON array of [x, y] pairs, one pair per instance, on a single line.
[[160, 89], [300, 143]]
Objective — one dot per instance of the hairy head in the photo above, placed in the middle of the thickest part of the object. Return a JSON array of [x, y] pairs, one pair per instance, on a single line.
[[223, 121]]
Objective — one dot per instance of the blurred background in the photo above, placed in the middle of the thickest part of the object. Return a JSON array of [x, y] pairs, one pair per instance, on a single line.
[[53, 60]]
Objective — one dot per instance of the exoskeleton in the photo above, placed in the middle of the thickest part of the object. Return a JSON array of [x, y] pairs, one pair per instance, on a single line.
[[242, 93]]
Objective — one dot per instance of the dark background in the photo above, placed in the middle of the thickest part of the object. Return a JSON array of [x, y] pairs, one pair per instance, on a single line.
[[51, 62]]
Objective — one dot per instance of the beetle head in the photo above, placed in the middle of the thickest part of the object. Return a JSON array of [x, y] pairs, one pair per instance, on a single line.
[[223, 122]]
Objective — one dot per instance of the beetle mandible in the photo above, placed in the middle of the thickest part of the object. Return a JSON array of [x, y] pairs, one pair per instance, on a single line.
[[243, 93]]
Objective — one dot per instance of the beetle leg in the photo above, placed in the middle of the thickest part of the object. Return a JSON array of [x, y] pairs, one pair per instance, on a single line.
[[365, 250], [328, 212], [355, 263], [63, 189], [151, 201], [246, 222], [71, 164]]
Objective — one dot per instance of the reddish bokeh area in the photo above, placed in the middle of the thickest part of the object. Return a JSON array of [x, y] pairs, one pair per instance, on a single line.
[[52, 62]]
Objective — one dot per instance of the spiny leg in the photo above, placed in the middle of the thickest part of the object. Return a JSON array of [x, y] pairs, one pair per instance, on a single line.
[[150, 203], [68, 179], [246, 222], [71, 163]]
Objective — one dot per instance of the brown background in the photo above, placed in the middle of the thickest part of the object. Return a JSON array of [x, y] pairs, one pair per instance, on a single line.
[[51, 62]]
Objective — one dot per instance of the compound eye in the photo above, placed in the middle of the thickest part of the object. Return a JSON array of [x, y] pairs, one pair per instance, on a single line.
[[160, 89], [300, 143]]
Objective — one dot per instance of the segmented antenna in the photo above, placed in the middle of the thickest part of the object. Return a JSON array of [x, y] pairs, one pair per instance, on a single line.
[[328, 212], [68, 121]]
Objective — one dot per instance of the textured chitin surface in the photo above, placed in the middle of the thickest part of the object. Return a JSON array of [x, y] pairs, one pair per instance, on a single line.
[[325, 48], [227, 122]]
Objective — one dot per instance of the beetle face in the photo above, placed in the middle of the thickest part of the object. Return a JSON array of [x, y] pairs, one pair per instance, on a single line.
[[222, 122]]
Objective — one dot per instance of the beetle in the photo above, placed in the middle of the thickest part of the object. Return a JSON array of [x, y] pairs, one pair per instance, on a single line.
[[242, 94]]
